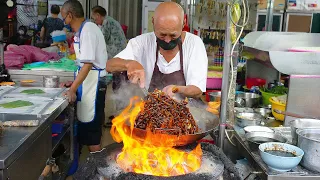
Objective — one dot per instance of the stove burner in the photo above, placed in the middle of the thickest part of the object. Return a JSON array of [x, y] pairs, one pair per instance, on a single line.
[[103, 165], [211, 168]]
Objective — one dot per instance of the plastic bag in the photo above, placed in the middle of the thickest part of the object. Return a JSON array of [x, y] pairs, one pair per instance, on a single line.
[[13, 60]]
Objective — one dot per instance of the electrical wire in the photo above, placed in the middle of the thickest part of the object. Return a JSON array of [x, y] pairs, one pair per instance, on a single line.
[[245, 22]]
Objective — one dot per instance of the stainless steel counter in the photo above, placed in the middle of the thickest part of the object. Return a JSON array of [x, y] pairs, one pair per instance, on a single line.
[[25, 150], [18, 75], [299, 173]]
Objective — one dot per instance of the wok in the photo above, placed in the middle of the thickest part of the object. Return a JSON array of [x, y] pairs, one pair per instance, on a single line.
[[205, 120]]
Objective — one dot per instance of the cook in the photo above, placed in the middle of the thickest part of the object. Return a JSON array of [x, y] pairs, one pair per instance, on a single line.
[[168, 58], [91, 53]]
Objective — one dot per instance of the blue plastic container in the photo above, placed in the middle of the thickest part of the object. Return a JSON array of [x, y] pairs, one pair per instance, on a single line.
[[280, 163], [60, 38], [56, 128]]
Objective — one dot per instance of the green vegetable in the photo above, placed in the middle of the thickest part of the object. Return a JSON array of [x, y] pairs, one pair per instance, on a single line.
[[276, 90], [16, 104], [33, 91]]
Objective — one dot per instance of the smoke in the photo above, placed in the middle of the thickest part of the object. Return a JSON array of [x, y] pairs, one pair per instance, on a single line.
[[123, 95]]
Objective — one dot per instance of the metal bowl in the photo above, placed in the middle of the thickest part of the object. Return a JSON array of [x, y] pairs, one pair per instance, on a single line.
[[243, 110], [247, 100], [302, 124], [51, 81], [256, 138], [263, 111], [250, 129], [248, 119], [215, 96]]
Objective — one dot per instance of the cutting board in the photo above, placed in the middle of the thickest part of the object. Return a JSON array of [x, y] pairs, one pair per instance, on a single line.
[[35, 109], [50, 93]]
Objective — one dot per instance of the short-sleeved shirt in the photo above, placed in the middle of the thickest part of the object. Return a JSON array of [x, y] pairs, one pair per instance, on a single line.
[[92, 46], [114, 36], [195, 60], [52, 24]]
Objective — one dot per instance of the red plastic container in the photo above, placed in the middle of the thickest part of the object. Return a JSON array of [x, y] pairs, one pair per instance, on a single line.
[[255, 82]]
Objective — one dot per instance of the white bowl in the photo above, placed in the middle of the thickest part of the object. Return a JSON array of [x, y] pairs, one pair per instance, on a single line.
[[249, 129]]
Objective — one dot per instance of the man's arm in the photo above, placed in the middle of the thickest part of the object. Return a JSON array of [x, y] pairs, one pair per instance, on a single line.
[[189, 91], [196, 74], [83, 73], [42, 34], [117, 65]]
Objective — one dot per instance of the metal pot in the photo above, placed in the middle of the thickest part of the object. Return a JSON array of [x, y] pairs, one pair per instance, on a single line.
[[247, 100], [248, 119], [309, 142], [215, 96], [51, 81], [302, 124], [256, 138]]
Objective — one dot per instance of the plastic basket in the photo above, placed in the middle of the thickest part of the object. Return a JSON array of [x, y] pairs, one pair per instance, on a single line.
[[266, 97], [278, 106], [60, 38], [255, 82], [214, 83]]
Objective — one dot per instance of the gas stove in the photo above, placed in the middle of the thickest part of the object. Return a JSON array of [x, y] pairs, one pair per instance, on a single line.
[[103, 165]]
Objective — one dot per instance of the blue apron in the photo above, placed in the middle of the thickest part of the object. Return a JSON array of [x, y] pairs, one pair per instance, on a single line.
[[88, 90]]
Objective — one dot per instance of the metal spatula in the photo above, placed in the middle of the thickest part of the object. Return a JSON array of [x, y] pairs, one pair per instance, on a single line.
[[145, 91]]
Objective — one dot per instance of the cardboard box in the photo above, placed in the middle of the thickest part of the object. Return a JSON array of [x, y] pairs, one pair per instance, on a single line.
[[277, 5]]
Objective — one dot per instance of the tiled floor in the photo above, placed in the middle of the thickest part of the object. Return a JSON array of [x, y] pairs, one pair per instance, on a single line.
[[106, 136]]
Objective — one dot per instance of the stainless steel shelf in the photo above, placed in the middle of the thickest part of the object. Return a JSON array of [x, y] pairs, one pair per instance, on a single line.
[[299, 173]]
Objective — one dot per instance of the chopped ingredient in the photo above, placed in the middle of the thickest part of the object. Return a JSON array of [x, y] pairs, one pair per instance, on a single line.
[[280, 99], [33, 91], [16, 104], [175, 89], [214, 105], [163, 114], [213, 111], [7, 83], [28, 81]]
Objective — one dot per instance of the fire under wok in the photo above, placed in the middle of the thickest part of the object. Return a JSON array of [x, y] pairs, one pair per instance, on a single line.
[[205, 120]]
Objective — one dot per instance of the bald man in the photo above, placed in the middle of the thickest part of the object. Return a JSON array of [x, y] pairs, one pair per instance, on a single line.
[[167, 58]]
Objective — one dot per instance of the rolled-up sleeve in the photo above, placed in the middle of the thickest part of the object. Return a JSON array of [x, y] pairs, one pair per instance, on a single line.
[[88, 47], [198, 66]]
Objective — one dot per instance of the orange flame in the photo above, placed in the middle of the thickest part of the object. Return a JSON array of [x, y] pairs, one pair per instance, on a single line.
[[143, 157]]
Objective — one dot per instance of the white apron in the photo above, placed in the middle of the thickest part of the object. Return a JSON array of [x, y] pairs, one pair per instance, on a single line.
[[88, 90]]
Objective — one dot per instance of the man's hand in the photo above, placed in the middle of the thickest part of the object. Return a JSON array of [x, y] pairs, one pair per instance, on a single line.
[[136, 73], [186, 91], [171, 90], [71, 95], [65, 84]]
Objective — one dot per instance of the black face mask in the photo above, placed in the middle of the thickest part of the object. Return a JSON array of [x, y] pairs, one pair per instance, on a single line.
[[168, 46]]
